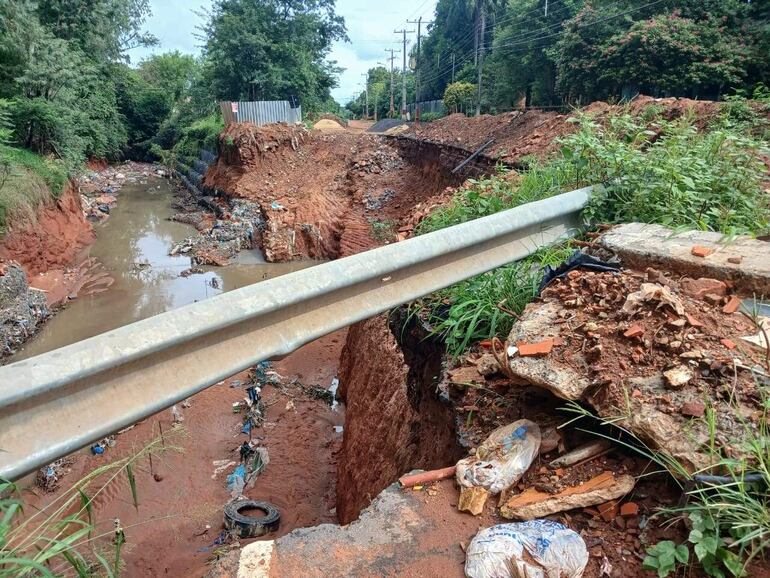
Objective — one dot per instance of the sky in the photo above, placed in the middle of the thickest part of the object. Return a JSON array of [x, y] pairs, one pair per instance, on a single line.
[[370, 28]]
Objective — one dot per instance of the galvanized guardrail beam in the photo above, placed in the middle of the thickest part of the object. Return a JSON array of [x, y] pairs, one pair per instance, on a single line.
[[56, 403]]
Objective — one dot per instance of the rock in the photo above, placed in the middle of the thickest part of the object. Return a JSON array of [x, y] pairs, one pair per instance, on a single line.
[[487, 365], [532, 504], [728, 343], [735, 260], [678, 377], [472, 500], [693, 409], [466, 374], [693, 320], [701, 286]]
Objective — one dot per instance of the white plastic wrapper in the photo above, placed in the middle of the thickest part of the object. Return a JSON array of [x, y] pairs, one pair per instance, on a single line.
[[534, 549], [502, 459]]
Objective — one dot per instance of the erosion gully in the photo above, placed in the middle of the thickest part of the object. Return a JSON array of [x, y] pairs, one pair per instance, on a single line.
[[173, 529]]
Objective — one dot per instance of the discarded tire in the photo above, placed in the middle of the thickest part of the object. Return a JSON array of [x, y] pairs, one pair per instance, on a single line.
[[250, 526]]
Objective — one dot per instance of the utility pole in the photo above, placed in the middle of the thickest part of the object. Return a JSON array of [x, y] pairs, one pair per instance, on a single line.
[[366, 89], [392, 112], [403, 73], [481, 54], [417, 69]]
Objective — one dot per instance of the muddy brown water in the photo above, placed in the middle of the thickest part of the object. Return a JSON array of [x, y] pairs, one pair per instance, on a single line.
[[133, 245]]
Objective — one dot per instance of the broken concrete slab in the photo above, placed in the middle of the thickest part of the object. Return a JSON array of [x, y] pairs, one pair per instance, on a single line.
[[532, 504], [402, 533], [642, 245]]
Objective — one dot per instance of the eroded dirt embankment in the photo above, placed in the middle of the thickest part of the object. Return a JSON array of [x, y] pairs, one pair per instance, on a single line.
[[395, 421], [330, 195], [51, 238]]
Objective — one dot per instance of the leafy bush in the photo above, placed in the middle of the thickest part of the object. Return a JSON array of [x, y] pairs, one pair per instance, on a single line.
[[669, 172], [431, 116], [202, 134], [459, 96]]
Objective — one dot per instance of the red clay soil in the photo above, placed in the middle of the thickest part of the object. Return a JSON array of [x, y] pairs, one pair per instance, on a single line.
[[519, 134], [52, 239], [320, 192], [394, 422], [166, 535]]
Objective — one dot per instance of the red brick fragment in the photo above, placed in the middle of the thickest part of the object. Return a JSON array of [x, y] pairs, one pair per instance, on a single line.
[[535, 349], [629, 509], [732, 305], [693, 321], [635, 330], [728, 343], [700, 251], [608, 510], [693, 409]]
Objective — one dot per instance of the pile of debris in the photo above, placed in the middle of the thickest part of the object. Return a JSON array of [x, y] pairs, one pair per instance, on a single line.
[[240, 228], [98, 189], [22, 308]]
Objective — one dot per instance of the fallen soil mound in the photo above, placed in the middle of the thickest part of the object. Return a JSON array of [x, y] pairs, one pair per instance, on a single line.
[[519, 134]]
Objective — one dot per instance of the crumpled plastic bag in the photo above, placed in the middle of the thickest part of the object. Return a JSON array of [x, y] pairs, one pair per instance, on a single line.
[[534, 549], [502, 458], [655, 293], [236, 481]]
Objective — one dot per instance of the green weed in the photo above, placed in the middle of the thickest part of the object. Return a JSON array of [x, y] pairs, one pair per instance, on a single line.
[[61, 539], [383, 231], [26, 180]]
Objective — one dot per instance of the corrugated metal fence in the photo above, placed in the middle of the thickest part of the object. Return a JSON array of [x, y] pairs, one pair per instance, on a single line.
[[260, 112], [433, 106]]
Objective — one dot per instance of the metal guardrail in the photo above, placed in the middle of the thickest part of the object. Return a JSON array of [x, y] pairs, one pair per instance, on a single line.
[[56, 403]]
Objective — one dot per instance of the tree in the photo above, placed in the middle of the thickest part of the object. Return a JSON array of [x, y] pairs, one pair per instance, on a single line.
[[272, 49], [459, 96], [103, 29], [173, 72]]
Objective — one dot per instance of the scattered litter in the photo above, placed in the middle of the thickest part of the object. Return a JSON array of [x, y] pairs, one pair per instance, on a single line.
[[500, 460], [48, 478], [578, 260], [176, 415], [426, 477], [536, 549], [220, 466], [276, 206], [333, 390], [652, 292], [606, 567], [760, 339], [338, 429], [236, 482]]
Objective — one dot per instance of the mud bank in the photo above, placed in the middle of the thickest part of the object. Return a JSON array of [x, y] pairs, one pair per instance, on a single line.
[[395, 419], [52, 238]]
